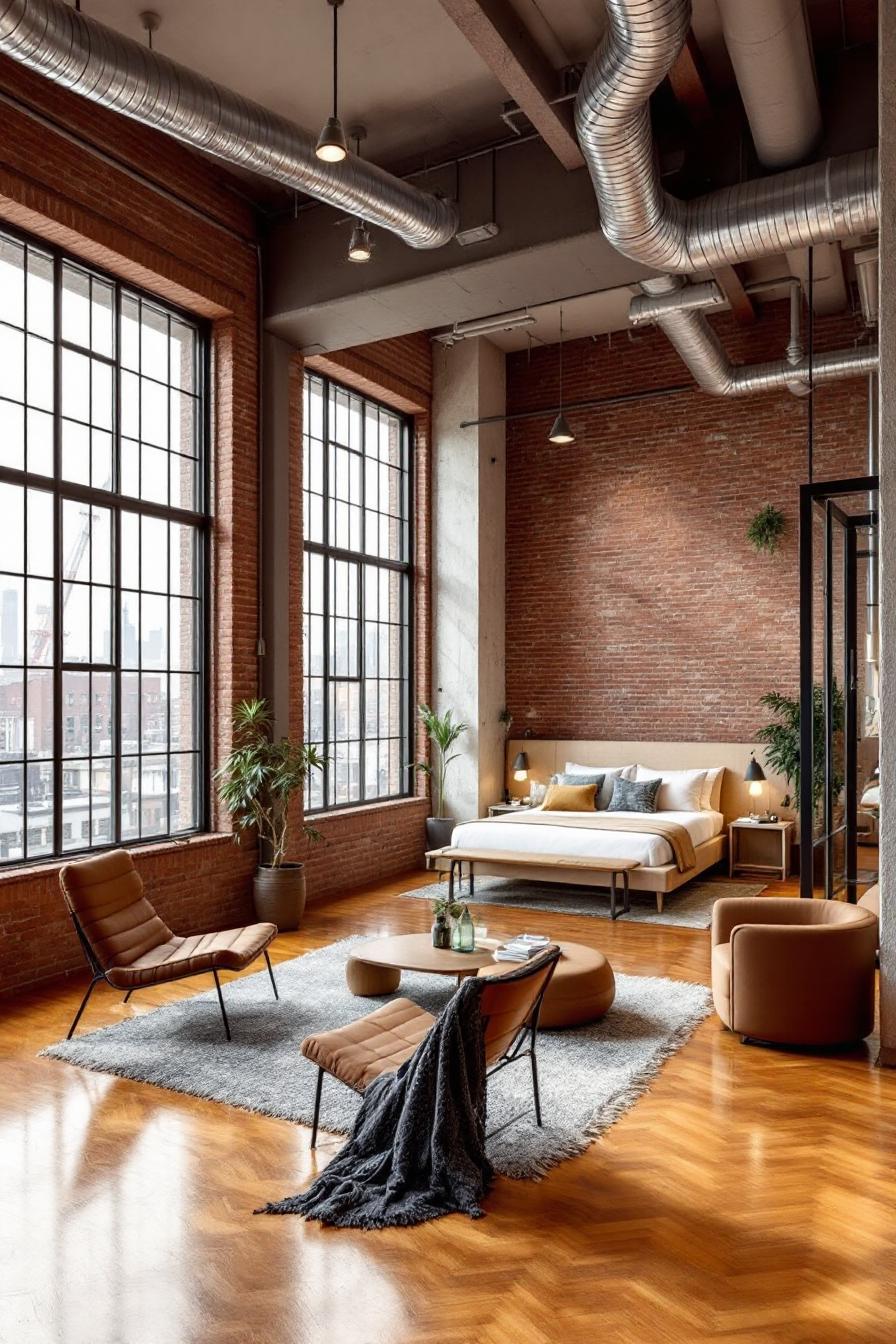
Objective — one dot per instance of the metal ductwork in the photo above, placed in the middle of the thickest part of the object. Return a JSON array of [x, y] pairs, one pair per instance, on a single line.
[[100, 64], [820, 203], [771, 51], [702, 352]]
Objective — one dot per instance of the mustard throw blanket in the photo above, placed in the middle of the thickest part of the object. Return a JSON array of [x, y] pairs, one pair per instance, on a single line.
[[680, 842]]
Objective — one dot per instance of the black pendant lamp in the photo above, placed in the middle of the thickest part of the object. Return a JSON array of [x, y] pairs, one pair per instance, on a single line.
[[331, 144], [360, 245], [560, 430]]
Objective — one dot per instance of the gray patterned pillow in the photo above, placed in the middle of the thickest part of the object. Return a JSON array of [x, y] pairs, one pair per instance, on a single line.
[[630, 796], [582, 777]]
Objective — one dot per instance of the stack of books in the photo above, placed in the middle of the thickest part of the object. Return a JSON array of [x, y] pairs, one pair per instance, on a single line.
[[523, 947]]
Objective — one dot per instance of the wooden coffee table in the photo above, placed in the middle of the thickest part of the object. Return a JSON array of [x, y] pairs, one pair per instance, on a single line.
[[375, 968]]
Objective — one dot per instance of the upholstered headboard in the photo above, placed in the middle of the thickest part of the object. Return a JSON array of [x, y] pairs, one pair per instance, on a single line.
[[547, 756]]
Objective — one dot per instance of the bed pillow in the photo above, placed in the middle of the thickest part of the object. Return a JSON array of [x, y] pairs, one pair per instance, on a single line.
[[712, 790], [609, 772], [680, 790], [631, 796], [591, 777], [537, 792], [569, 798]]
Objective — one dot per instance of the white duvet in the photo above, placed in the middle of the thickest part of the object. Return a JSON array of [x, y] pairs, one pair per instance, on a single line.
[[515, 837]]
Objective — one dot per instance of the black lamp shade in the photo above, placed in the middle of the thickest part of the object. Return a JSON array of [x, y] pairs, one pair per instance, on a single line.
[[521, 761], [754, 771]]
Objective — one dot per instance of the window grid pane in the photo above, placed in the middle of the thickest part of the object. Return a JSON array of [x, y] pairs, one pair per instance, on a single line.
[[356, 596], [101, 603]]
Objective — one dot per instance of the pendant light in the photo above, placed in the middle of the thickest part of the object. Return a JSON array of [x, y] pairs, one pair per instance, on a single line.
[[331, 144], [560, 430], [360, 245]]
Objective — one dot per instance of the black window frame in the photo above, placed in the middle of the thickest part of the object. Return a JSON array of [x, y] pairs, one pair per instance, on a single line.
[[117, 503], [362, 559]]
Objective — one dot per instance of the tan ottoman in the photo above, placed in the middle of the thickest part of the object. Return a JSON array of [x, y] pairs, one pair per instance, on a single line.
[[582, 987], [368, 980]]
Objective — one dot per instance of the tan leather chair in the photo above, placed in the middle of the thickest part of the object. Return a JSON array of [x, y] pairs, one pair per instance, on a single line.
[[129, 946], [793, 971], [382, 1041]]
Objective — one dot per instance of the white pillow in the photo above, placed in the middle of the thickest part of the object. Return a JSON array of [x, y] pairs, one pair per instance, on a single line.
[[680, 791], [712, 790], [610, 772]]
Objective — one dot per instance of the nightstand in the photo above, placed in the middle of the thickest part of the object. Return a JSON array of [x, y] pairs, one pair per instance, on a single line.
[[499, 809], [760, 847]]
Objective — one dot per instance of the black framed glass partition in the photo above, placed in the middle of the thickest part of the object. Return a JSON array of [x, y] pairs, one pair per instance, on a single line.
[[838, 681]]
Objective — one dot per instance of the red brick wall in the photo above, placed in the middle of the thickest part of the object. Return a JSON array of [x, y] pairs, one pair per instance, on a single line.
[[143, 207], [636, 608], [363, 845]]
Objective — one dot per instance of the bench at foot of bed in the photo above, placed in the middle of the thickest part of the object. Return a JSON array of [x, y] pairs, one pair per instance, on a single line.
[[613, 869]]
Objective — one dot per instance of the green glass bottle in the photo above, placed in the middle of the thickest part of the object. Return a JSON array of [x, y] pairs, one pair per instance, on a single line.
[[463, 937]]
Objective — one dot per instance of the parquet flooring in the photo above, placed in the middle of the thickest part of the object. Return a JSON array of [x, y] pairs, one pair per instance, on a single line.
[[749, 1198]]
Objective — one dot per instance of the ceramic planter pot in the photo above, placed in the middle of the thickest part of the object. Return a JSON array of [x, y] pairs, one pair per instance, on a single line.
[[438, 832], [280, 895]]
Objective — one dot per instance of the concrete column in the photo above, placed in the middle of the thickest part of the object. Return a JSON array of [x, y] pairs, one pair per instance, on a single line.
[[468, 567], [278, 544], [887, 63]]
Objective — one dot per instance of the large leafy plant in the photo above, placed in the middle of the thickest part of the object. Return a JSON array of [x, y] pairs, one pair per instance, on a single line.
[[781, 738], [443, 731], [261, 776]]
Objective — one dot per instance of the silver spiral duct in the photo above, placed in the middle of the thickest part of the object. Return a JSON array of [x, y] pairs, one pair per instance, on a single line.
[[702, 352], [119, 73], [820, 203]]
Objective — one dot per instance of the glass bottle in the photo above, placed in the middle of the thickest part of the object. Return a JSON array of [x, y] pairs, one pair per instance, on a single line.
[[463, 937], [441, 933]]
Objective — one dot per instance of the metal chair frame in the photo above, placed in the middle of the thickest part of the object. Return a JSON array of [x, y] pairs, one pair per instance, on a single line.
[[517, 1050], [99, 973]]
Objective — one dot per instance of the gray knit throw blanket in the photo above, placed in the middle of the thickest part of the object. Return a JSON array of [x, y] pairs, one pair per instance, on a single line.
[[417, 1150]]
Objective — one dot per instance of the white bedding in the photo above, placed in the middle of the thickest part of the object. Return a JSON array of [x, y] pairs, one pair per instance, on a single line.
[[652, 851]]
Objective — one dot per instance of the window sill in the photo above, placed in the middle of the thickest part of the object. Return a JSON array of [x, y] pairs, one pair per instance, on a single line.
[[30, 872], [364, 809]]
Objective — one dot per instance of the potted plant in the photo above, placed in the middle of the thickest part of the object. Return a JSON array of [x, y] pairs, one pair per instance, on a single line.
[[443, 731], [781, 738], [257, 783]]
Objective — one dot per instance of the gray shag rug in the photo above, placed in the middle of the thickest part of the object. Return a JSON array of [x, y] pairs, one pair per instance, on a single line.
[[589, 1076], [690, 907]]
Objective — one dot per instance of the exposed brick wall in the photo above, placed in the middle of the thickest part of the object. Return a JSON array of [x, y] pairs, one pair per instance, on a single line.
[[148, 210], [363, 845], [636, 608]]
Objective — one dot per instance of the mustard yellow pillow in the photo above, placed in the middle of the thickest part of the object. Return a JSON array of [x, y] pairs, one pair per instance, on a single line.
[[569, 798]]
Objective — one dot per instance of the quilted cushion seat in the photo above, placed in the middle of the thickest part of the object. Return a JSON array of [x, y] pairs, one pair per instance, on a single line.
[[375, 1044], [131, 943]]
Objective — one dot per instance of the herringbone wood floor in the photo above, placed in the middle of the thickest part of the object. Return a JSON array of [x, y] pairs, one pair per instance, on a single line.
[[749, 1198]]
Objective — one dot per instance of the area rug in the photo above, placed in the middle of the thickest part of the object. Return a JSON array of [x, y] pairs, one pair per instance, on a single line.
[[589, 1076], [690, 907]]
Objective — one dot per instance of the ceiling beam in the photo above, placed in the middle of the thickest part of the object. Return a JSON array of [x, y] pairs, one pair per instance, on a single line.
[[496, 34], [742, 306], [690, 83], [691, 86]]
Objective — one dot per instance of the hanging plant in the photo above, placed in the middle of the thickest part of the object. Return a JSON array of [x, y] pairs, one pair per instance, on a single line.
[[766, 529]]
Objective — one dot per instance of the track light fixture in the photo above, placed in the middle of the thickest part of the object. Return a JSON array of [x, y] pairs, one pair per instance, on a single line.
[[560, 430], [331, 144]]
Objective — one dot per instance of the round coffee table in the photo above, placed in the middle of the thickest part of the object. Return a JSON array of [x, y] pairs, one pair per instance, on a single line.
[[375, 968]]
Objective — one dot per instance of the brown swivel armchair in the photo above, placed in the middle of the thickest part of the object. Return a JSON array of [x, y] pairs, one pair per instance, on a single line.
[[384, 1039], [129, 946], [795, 972]]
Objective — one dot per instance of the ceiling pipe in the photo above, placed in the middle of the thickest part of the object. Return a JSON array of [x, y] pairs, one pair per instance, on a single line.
[[115, 71], [823, 202], [703, 353], [771, 52]]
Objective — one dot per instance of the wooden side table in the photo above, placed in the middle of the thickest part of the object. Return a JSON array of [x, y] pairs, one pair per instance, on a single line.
[[768, 851]]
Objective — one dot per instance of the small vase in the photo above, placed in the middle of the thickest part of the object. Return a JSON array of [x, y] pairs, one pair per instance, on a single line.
[[441, 933], [463, 938]]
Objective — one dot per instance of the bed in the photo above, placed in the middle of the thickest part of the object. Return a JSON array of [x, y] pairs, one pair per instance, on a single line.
[[659, 871]]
